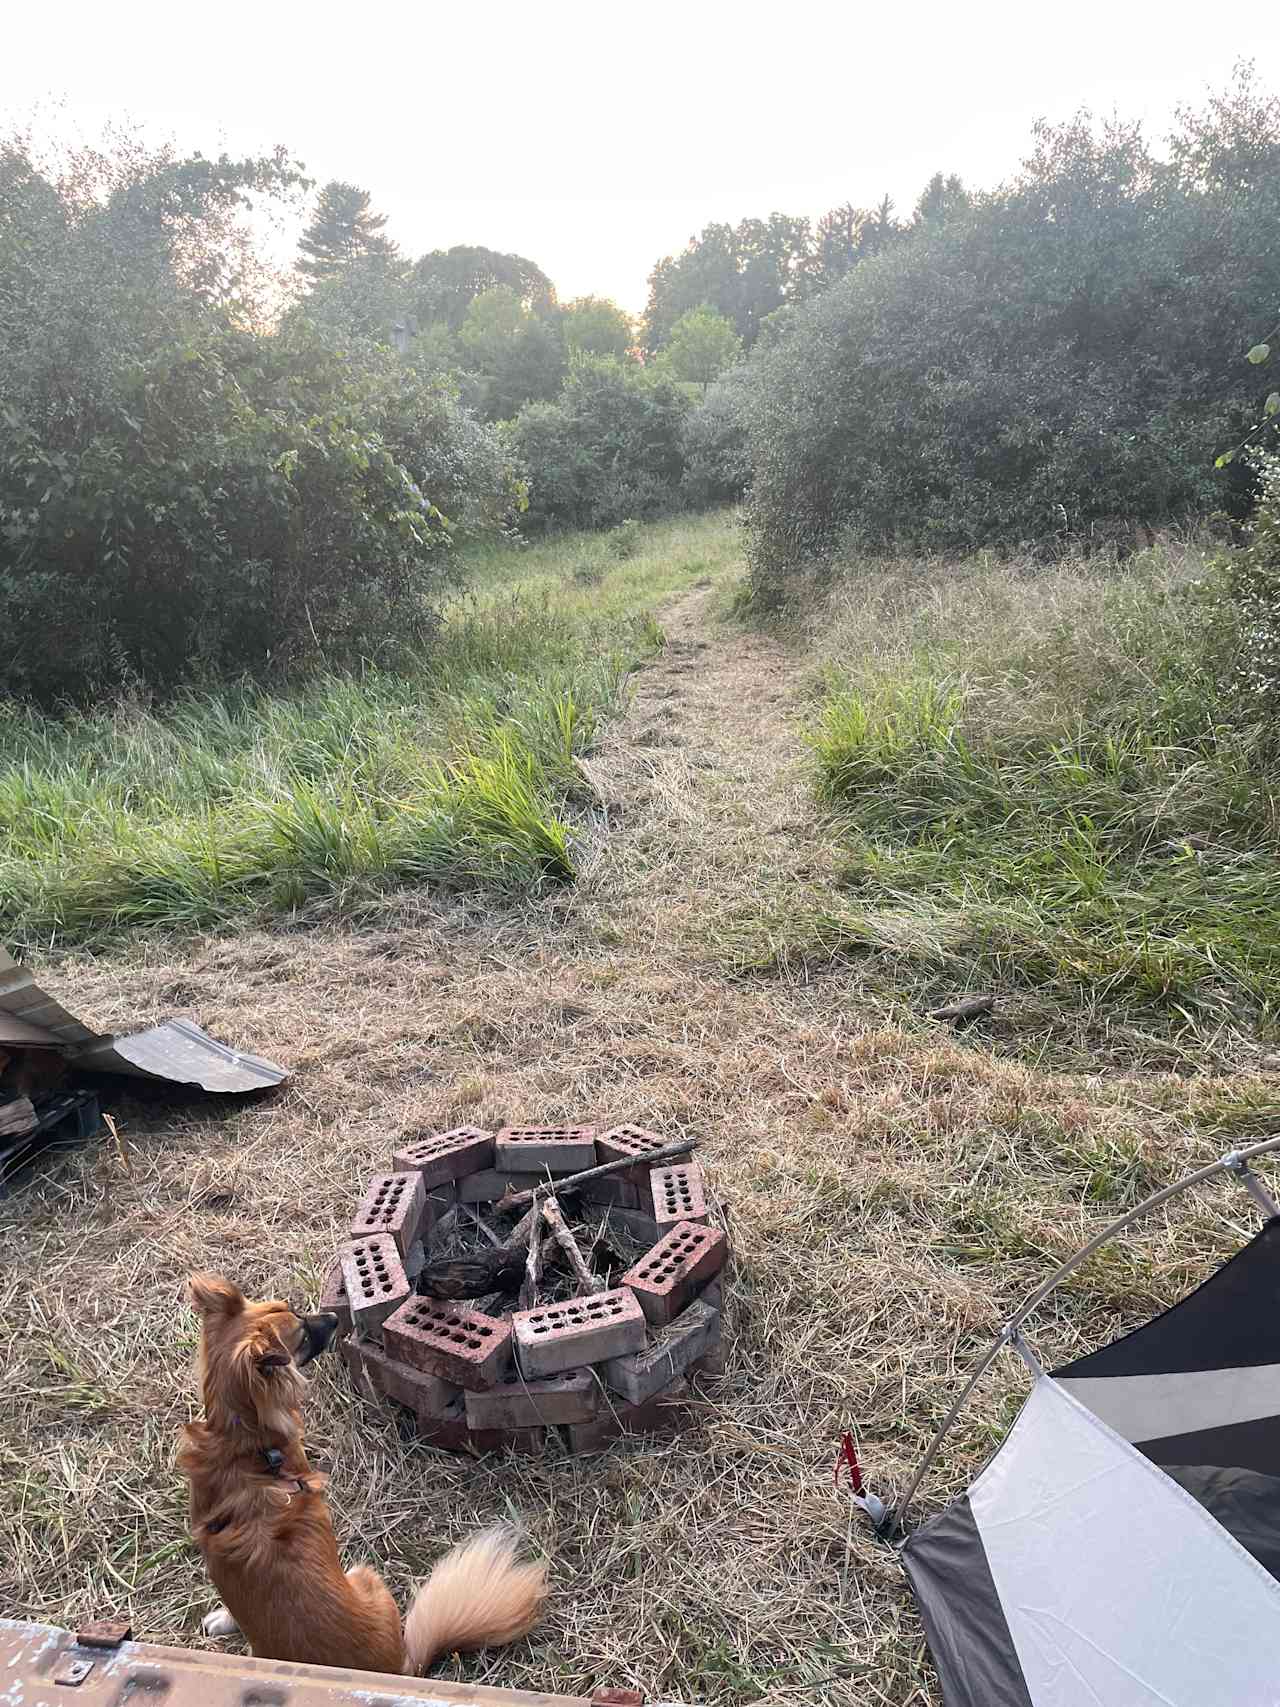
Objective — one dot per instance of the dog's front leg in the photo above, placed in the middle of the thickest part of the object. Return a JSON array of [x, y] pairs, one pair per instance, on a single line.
[[219, 1622]]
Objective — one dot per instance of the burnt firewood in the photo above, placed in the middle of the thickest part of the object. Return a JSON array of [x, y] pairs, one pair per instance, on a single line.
[[455, 1278], [965, 1010]]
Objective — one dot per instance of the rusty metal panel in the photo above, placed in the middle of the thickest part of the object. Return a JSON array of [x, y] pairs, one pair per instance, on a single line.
[[45, 1667]]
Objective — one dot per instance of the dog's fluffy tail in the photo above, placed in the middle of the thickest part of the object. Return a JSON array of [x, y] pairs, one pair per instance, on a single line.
[[479, 1596]]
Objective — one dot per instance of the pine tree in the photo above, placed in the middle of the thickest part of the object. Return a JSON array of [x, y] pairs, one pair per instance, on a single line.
[[344, 228]]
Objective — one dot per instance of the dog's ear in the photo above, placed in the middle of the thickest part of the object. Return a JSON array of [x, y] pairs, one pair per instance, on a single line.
[[214, 1296]]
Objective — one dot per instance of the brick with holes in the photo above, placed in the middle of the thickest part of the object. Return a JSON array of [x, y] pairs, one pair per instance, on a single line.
[[667, 1278], [545, 1149], [441, 1157], [644, 1373], [667, 1410], [375, 1281], [394, 1204], [570, 1398], [586, 1329], [333, 1299], [637, 1143], [679, 1194], [489, 1185], [459, 1345]]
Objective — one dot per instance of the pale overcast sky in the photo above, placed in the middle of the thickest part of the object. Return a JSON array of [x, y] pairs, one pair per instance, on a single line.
[[595, 138]]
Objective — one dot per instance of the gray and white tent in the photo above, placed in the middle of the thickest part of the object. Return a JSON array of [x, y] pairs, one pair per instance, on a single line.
[[1122, 1547]]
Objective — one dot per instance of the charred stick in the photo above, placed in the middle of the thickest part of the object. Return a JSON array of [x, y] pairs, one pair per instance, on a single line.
[[554, 1219], [572, 1182]]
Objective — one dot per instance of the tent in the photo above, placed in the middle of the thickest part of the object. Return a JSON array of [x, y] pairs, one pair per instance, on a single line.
[[1122, 1546]]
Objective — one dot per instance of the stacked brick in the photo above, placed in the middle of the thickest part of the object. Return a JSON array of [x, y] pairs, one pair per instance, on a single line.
[[587, 1369]]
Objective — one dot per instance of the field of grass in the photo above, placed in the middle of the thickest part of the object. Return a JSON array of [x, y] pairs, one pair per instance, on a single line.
[[1040, 788], [462, 772], [893, 1189]]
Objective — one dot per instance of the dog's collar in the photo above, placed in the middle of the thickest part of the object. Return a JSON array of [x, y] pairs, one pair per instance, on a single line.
[[275, 1463]]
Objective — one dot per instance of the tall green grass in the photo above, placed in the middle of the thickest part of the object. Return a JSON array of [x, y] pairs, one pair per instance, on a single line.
[[1042, 786], [460, 772]]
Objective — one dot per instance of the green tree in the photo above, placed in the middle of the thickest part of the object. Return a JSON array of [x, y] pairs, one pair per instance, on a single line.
[[343, 229], [594, 326], [744, 272], [940, 198], [447, 281], [1057, 360], [517, 353], [702, 345], [182, 492]]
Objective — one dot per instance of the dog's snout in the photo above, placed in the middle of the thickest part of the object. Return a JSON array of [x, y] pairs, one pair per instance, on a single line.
[[318, 1332]]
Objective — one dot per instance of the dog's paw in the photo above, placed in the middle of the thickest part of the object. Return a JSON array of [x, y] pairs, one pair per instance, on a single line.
[[219, 1622]]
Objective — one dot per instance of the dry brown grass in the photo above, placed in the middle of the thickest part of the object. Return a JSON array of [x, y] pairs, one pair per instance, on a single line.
[[891, 1192]]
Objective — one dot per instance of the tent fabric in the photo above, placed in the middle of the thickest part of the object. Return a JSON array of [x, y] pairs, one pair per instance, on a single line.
[[1123, 1545], [1114, 1584]]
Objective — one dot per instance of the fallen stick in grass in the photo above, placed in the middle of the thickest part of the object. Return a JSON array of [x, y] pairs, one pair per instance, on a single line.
[[572, 1182]]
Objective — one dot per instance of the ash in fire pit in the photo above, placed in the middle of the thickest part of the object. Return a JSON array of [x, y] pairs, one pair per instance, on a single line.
[[507, 1287]]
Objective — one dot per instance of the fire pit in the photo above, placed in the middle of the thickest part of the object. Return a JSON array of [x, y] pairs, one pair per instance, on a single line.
[[535, 1284]]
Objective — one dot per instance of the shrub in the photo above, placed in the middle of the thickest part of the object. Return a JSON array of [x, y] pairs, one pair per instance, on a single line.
[[607, 451], [1054, 361], [180, 494], [717, 469]]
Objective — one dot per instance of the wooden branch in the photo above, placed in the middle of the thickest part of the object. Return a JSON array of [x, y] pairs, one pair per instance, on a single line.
[[572, 1182], [554, 1219], [532, 1270]]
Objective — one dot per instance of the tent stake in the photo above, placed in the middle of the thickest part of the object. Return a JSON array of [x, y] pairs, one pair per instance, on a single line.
[[1235, 1161]]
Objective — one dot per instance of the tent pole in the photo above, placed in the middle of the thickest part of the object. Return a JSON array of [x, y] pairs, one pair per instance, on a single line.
[[1233, 1162]]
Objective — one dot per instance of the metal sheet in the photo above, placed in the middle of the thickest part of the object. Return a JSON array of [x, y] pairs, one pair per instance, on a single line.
[[177, 1052], [182, 1053]]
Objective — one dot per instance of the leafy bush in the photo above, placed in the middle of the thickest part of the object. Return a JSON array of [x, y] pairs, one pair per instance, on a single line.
[[717, 469], [1050, 363], [608, 450], [181, 494]]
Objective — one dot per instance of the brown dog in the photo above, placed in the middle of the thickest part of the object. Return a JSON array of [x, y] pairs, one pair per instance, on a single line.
[[261, 1522]]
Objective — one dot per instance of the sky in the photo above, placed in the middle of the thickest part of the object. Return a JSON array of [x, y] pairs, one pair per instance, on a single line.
[[596, 138]]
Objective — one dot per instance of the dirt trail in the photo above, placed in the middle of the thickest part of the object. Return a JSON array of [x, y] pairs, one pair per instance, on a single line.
[[716, 1568]]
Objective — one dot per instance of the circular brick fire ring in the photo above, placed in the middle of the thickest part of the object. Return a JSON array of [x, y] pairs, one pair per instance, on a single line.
[[594, 1355]]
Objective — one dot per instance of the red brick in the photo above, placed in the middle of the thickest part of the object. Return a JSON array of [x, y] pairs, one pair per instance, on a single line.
[[427, 1396], [334, 1299], [643, 1374], [637, 1222], [620, 1142], [549, 1149], [617, 1698], [459, 1345], [531, 1442], [394, 1204], [536, 1404], [666, 1411], [613, 1190], [450, 1434], [679, 1194], [375, 1281], [577, 1331], [489, 1185], [667, 1280], [443, 1156]]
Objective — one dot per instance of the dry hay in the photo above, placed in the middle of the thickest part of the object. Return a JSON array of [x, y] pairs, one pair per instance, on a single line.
[[891, 1191]]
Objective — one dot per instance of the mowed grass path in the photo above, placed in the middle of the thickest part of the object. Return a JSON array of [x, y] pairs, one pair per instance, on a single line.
[[462, 771], [892, 1191]]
